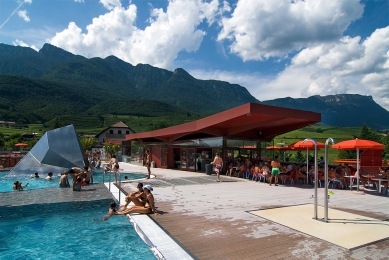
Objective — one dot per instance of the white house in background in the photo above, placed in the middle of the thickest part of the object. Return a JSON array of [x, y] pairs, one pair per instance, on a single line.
[[116, 133]]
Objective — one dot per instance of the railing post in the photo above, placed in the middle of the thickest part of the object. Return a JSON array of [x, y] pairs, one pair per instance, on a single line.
[[120, 183]]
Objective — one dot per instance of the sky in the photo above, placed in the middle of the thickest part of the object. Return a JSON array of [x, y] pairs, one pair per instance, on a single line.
[[273, 48]]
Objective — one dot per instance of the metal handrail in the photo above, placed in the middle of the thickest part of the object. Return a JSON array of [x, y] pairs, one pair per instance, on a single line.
[[120, 183], [330, 139]]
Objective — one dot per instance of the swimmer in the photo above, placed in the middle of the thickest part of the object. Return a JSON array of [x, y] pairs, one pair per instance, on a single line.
[[49, 176], [18, 186], [111, 211]]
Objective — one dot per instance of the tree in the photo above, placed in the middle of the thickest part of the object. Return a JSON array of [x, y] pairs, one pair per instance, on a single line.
[[369, 134], [57, 123], [2, 141], [87, 142], [298, 157], [111, 149], [158, 125]]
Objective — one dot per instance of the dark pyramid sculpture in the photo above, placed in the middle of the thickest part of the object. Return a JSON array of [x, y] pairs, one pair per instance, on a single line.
[[58, 150]]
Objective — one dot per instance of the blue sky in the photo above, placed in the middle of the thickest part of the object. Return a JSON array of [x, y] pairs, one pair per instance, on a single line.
[[277, 48]]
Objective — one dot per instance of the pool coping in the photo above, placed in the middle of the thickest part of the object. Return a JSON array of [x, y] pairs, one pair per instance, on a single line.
[[160, 243]]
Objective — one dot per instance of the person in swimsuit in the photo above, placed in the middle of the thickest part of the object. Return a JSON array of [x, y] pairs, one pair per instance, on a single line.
[[275, 171], [138, 197], [18, 186], [149, 208], [148, 161], [114, 166], [64, 181], [78, 184], [218, 162]]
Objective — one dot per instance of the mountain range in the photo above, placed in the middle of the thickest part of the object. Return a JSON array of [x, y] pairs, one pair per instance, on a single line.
[[38, 86]]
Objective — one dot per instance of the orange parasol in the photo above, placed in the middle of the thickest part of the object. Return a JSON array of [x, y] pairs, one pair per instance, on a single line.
[[307, 145], [21, 144], [356, 144], [275, 147]]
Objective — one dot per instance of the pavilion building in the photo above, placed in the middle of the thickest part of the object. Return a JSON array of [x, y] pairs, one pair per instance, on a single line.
[[240, 131]]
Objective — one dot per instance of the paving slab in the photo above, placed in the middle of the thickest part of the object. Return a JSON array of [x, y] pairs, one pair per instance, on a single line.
[[344, 229]]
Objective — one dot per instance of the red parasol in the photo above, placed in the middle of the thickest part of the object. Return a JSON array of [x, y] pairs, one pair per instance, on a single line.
[[357, 144], [21, 144], [275, 147], [307, 145]]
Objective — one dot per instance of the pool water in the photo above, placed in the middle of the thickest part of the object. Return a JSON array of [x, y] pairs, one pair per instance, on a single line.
[[39, 183], [68, 231]]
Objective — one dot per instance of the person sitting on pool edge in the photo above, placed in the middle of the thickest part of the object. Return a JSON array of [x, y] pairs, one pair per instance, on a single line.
[[138, 197], [149, 208], [18, 186]]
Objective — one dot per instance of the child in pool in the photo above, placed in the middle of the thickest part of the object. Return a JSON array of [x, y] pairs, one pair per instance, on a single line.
[[111, 211]]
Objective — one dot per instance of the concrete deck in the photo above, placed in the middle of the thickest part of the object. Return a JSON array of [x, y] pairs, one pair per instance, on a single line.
[[212, 220]]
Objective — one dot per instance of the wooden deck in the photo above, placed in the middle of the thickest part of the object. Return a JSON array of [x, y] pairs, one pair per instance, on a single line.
[[213, 221]]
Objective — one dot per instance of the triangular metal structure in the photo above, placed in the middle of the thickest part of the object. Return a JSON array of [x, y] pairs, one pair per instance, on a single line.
[[58, 150]]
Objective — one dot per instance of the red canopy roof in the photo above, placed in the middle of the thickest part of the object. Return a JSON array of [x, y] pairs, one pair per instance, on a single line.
[[248, 121]]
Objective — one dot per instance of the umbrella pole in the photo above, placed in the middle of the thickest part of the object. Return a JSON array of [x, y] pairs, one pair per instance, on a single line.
[[316, 179]]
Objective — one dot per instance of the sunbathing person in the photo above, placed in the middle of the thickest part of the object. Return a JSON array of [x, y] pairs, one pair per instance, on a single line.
[[149, 208], [138, 197]]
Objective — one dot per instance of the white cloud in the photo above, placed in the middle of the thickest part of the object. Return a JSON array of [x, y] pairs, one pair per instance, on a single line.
[[111, 4], [23, 44], [115, 33], [261, 29], [23, 14], [14, 11], [79, 1], [347, 66]]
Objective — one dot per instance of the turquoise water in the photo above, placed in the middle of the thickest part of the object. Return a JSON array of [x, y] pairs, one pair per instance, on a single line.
[[34, 183], [68, 231]]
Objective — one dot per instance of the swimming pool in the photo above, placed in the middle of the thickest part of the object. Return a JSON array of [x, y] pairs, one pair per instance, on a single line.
[[68, 231], [40, 183]]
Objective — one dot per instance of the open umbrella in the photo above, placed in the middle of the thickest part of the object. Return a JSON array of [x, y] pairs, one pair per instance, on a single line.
[[21, 145], [275, 147], [308, 146], [356, 144]]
